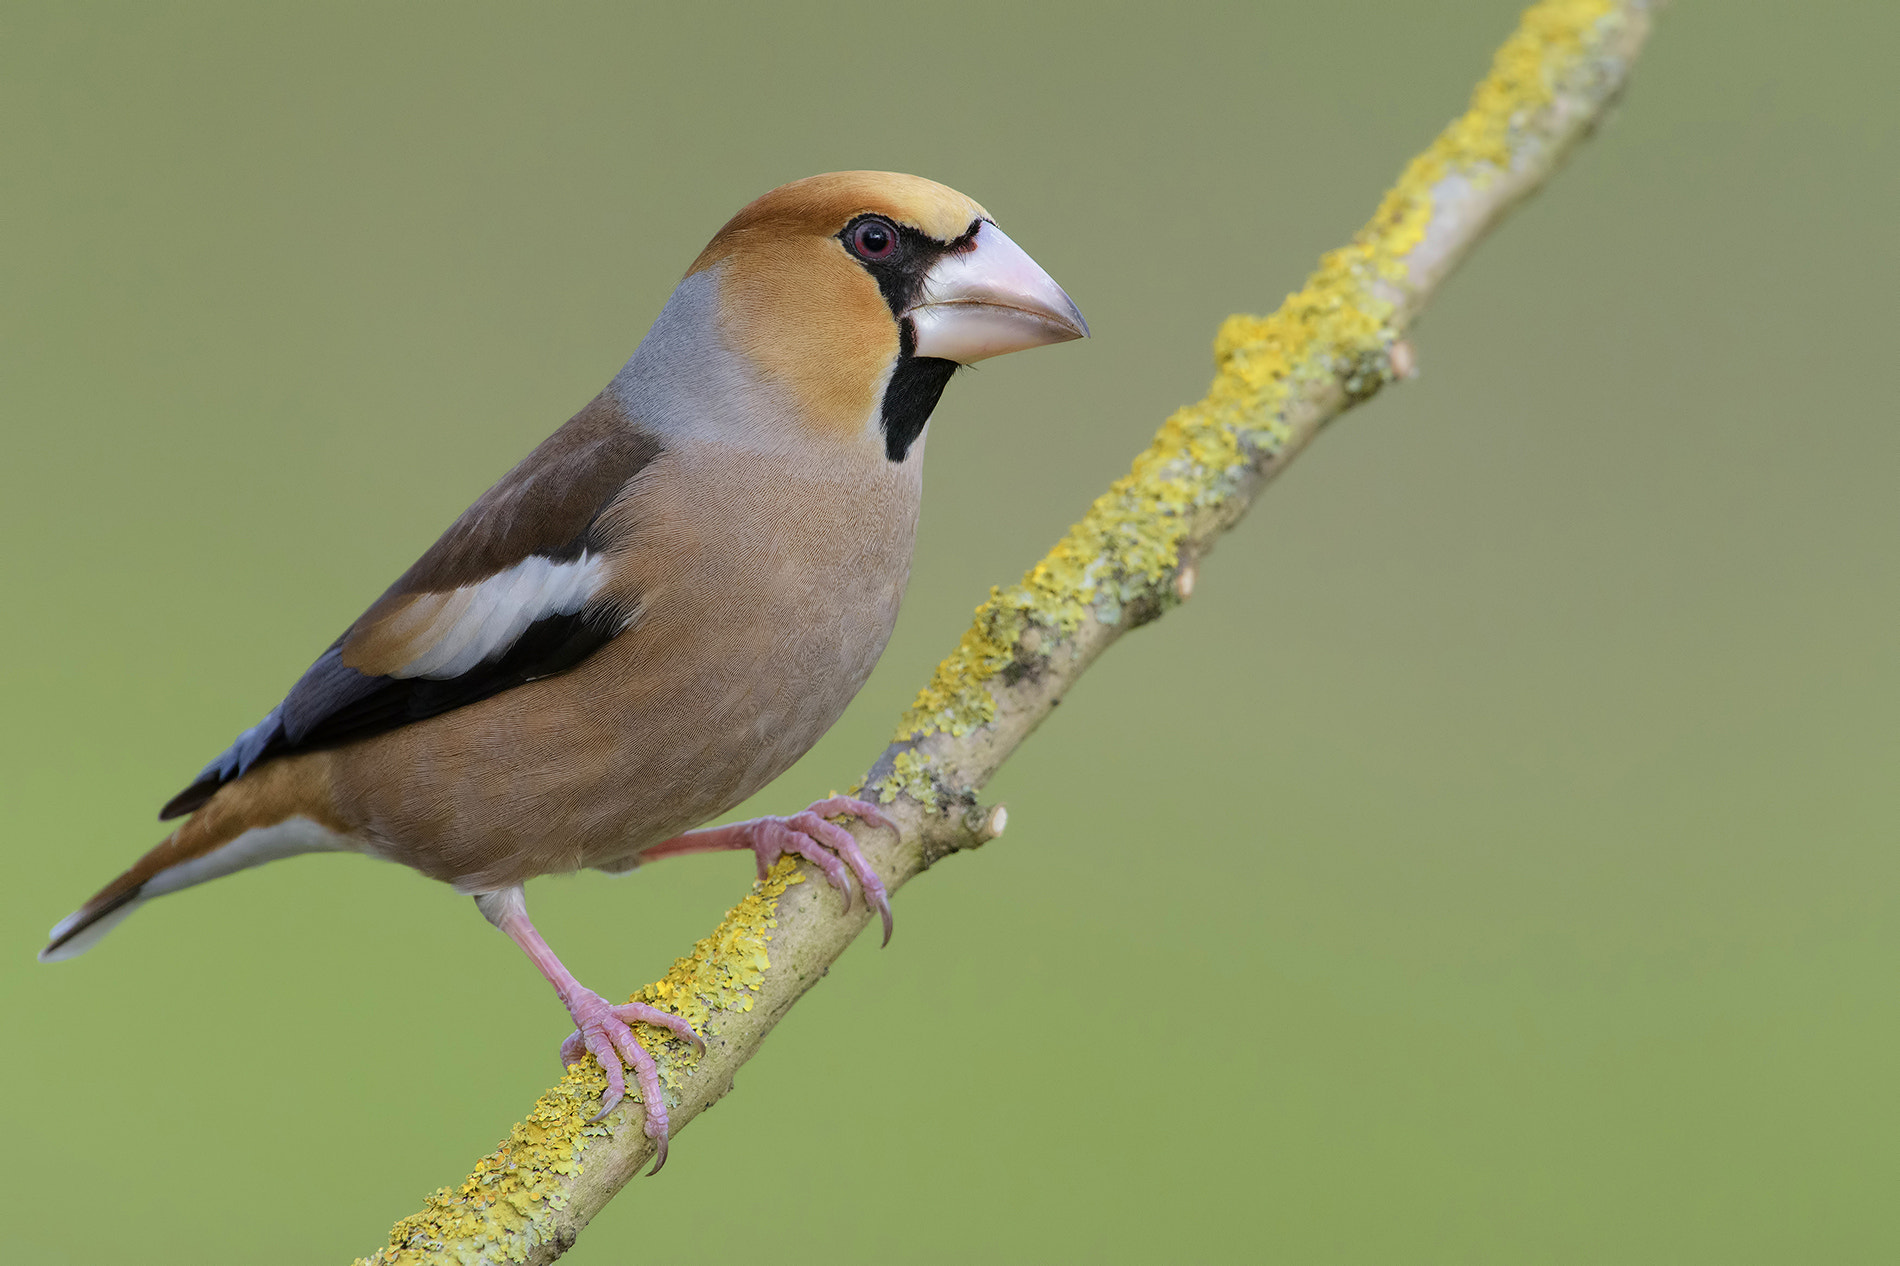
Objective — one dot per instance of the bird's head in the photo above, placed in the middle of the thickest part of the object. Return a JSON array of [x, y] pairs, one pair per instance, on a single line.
[[861, 292]]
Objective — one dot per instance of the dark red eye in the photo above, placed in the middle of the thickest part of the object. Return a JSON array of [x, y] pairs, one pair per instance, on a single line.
[[874, 239]]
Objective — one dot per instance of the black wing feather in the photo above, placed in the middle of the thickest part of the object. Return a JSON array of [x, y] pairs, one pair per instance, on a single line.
[[333, 704]]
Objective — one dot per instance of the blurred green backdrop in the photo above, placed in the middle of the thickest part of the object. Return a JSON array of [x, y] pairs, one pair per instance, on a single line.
[[1497, 857]]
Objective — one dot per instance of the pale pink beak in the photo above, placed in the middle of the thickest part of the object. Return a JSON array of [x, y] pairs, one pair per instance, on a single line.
[[991, 299]]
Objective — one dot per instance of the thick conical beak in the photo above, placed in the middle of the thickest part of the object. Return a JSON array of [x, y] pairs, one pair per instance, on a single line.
[[989, 299]]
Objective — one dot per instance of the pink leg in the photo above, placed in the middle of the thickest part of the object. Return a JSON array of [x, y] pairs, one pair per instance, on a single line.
[[602, 1027], [825, 845]]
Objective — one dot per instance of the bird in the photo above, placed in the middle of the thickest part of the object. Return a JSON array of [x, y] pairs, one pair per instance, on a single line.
[[654, 614]]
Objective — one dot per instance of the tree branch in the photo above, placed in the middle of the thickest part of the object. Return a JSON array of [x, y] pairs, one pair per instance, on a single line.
[[1279, 380]]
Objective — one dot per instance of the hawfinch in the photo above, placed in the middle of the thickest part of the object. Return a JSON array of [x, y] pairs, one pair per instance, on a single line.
[[659, 610]]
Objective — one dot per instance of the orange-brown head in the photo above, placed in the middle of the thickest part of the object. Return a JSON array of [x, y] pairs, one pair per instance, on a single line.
[[861, 292]]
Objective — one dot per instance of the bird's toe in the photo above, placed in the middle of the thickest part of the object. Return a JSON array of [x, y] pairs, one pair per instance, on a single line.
[[863, 810], [678, 1026], [845, 845]]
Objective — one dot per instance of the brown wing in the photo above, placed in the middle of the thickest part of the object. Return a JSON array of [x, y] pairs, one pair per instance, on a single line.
[[508, 594]]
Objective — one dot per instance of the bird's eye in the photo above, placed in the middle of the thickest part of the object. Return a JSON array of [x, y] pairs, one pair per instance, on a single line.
[[874, 240]]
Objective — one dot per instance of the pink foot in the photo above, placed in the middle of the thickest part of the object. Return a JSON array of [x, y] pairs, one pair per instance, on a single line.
[[605, 1033], [602, 1028], [824, 844]]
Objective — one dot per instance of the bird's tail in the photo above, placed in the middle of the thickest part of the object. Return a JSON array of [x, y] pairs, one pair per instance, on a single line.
[[256, 819], [80, 930]]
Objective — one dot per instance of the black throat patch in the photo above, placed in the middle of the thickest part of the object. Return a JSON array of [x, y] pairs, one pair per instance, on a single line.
[[916, 385]]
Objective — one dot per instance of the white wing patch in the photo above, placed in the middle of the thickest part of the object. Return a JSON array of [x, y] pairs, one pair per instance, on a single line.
[[480, 622]]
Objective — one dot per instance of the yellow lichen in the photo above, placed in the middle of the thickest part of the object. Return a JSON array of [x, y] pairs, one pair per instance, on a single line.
[[910, 775], [1337, 328], [505, 1206]]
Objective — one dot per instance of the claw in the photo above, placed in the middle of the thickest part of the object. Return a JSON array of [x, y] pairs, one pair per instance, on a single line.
[[846, 846], [603, 1053]]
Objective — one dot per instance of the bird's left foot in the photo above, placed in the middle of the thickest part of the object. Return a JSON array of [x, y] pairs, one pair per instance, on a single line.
[[809, 835], [605, 1032]]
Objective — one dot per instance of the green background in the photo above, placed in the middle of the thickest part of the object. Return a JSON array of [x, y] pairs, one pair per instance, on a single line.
[[1494, 862]]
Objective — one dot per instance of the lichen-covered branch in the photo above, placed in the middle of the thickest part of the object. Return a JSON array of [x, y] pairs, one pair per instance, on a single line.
[[1279, 379]]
